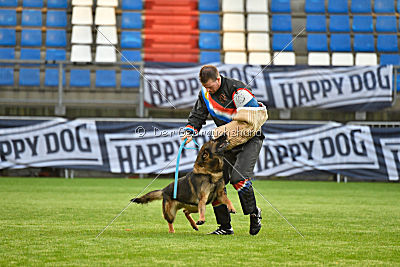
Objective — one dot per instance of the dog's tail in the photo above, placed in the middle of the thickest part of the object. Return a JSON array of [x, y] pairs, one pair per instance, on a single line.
[[153, 195]]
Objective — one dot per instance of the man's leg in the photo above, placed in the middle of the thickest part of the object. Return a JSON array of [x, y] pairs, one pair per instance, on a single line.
[[221, 210], [241, 180]]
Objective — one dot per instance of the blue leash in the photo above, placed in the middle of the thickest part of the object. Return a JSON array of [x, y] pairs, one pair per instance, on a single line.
[[177, 163]]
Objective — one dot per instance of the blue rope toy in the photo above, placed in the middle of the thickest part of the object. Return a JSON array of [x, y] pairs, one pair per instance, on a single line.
[[177, 163]]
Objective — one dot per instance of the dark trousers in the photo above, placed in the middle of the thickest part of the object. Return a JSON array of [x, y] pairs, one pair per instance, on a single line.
[[239, 172]]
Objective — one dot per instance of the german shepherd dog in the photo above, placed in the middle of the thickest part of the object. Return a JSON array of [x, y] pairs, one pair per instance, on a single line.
[[202, 186]]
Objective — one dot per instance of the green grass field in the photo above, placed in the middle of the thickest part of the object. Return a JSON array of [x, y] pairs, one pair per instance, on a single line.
[[55, 222]]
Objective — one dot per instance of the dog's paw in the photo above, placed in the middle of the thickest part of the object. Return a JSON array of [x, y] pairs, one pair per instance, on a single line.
[[200, 222], [232, 211], [195, 228]]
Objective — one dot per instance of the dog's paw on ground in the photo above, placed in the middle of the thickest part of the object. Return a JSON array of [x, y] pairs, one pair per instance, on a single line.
[[200, 222]]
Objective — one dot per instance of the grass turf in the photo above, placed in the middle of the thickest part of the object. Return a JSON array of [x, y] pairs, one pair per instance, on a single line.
[[55, 222]]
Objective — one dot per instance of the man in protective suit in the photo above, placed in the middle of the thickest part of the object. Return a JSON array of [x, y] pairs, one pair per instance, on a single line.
[[220, 97]]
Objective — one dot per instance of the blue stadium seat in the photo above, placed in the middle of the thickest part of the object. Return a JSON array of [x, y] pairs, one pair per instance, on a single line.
[[363, 43], [386, 24], [384, 6], [387, 43], [131, 56], [281, 40], [51, 77], [361, 6], [31, 18], [398, 6], [338, 6], [31, 37], [209, 56], [281, 23], [32, 3], [316, 23], [131, 20], [30, 54], [7, 37], [362, 23], [55, 54], [339, 23], [340, 42], [8, 17], [130, 78], [7, 53], [315, 6], [106, 78], [29, 77], [132, 4], [79, 78], [56, 18], [209, 40], [8, 3], [57, 3], [209, 22], [131, 39], [209, 5], [56, 38], [282, 6], [6, 76], [390, 59], [317, 42]]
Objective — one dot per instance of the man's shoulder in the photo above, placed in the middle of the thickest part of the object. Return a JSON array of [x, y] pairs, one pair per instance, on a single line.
[[233, 83]]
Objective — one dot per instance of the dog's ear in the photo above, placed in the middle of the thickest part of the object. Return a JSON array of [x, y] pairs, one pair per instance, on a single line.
[[221, 138]]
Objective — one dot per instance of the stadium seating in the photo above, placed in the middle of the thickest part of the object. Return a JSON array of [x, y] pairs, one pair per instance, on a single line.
[[387, 43], [79, 78], [233, 41], [340, 42], [57, 4], [280, 6], [8, 3], [51, 77], [56, 38], [82, 15], [235, 58], [363, 43], [8, 17], [281, 23], [361, 6], [7, 53], [259, 58], [257, 42], [55, 54], [56, 18], [317, 42], [132, 4], [316, 23], [105, 16], [31, 37], [81, 53], [106, 78], [131, 39], [337, 6], [105, 54], [209, 56], [342, 59], [31, 18], [339, 23], [32, 3], [232, 6], [384, 6], [30, 54], [109, 3], [82, 2], [29, 77], [131, 20], [257, 22], [386, 24], [314, 6], [107, 35], [209, 41], [7, 37], [131, 56], [366, 59], [362, 23], [130, 78], [256, 6], [233, 22], [6, 76], [81, 35]]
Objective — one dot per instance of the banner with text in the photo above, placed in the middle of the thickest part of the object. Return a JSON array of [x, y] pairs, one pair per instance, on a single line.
[[358, 88], [151, 147]]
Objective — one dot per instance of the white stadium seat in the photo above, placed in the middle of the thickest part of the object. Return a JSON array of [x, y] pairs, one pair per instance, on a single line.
[[366, 59], [284, 59], [318, 59], [113, 3], [234, 41], [81, 35], [232, 6], [105, 16], [105, 54], [81, 53], [258, 42], [233, 22], [82, 15], [82, 2], [342, 59], [257, 6], [257, 22], [107, 34], [259, 58], [235, 58]]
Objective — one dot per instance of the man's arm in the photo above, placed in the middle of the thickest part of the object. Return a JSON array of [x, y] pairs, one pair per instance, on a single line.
[[197, 118]]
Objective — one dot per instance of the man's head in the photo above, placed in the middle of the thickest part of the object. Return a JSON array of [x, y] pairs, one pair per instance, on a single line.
[[210, 78]]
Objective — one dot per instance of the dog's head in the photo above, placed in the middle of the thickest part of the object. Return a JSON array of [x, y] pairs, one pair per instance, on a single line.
[[211, 153]]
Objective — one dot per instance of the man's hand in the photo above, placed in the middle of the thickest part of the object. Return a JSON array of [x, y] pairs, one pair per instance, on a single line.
[[189, 138]]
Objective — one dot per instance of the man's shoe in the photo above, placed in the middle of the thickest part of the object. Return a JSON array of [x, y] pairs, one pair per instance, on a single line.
[[255, 222], [222, 231]]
